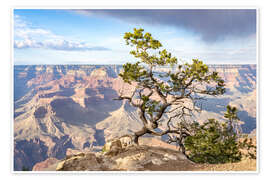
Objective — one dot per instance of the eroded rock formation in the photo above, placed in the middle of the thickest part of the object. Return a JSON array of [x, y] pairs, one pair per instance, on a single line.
[[64, 108]]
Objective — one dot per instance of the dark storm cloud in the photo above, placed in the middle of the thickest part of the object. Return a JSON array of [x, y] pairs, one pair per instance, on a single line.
[[211, 24]]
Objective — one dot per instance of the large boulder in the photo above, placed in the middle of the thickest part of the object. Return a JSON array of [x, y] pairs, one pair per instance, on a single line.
[[115, 146]]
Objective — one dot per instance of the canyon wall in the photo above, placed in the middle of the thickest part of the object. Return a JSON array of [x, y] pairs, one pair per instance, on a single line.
[[59, 109]]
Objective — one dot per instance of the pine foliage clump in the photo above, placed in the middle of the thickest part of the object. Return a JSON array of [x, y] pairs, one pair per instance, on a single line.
[[215, 142]]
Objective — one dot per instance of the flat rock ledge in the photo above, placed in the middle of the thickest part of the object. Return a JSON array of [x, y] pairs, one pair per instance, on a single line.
[[131, 158]]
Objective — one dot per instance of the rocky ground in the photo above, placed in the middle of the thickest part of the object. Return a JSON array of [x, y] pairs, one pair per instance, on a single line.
[[116, 157], [244, 165], [134, 158]]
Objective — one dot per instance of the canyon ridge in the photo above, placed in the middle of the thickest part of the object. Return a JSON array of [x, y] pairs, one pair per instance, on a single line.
[[63, 109]]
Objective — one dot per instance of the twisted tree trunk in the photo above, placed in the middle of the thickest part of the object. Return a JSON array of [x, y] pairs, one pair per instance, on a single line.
[[138, 134]]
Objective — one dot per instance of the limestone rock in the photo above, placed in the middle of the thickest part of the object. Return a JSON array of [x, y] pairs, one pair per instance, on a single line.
[[131, 158], [157, 161], [170, 156], [126, 141], [133, 162], [113, 147], [45, 165], [81, 162]]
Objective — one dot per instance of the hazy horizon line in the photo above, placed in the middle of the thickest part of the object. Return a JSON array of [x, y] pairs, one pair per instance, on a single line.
[[123, 64]]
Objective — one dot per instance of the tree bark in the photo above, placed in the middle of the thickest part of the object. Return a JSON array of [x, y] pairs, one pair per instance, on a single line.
[[138, 134]]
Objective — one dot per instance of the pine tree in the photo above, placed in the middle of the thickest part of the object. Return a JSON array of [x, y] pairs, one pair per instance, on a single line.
[[173, 94]]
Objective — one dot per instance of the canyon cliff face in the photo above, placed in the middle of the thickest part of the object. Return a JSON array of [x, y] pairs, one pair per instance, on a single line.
[[241, 92], [63, 108]]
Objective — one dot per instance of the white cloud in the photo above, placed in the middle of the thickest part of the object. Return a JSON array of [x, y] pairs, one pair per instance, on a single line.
[[19, 22], [26, 43], [56, 44], [28, 33], [27, 36]]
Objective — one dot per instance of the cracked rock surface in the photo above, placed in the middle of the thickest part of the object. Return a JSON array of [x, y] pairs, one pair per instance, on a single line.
[[132, 158]]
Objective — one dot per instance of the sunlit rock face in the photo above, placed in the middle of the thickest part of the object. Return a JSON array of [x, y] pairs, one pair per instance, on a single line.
[[241, 92], [64, 108]]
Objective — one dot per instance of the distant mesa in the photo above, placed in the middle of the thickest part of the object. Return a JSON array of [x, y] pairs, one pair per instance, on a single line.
[[101, 73]]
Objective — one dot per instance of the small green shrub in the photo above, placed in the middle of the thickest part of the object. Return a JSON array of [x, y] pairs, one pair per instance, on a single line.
[[212, 143], [215, 142]]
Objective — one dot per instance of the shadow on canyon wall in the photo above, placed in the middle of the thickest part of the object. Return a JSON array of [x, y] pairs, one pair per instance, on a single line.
[[218, 105], [28, 153]]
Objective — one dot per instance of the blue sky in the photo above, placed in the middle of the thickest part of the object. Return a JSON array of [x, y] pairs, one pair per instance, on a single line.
[[96, 36]]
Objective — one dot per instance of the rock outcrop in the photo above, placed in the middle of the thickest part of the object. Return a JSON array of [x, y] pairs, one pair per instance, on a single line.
[[47, 165], [131, 158], [137, 158]]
